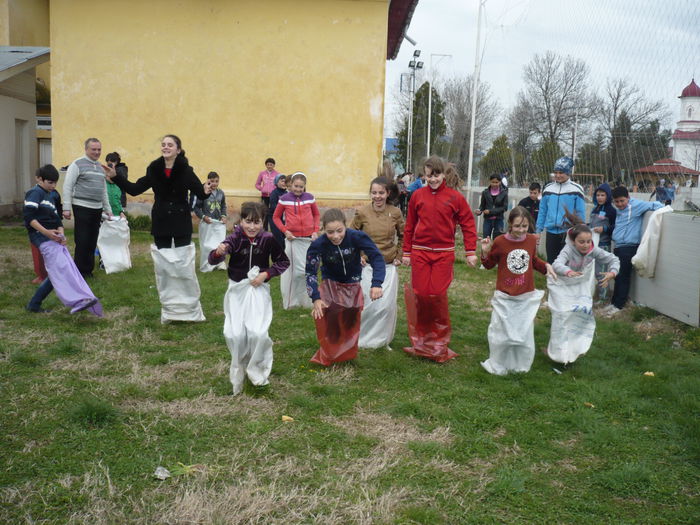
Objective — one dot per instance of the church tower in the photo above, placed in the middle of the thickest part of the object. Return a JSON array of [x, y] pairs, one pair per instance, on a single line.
[[686, 138]]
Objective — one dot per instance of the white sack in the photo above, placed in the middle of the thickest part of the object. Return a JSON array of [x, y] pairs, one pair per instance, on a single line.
[[378, 322], [177, 284], [573, 324], [511, 333], [210, 236], [248, 316], [113, 242], [293, 281], [644, 260]]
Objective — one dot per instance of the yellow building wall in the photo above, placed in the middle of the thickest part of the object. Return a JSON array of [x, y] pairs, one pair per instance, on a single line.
[[26, 24], [301, 81]]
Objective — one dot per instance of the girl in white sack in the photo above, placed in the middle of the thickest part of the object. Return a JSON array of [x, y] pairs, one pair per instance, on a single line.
[[515, 302], [384, 224], [255, 258], [297, 217], [571, 298]]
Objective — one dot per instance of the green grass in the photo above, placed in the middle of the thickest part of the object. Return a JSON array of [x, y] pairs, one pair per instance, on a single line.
[[90, 408]]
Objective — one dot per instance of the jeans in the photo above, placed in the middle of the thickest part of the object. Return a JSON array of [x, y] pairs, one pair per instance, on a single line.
[[266, 202], [494, 226], [601, 268], [87, 229], [624, 278], [41, 293]]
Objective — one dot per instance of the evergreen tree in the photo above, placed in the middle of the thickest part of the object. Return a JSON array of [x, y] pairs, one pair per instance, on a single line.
[[544, 158], [498, 157]]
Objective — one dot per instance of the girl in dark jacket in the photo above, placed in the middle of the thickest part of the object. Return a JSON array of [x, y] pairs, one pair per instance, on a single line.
[[494, 203], [173, 253], [338, 301], [171, 178]]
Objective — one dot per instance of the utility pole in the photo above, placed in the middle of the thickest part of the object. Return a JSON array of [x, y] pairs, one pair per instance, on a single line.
[[430, 98], [475, 88], [413, 65]]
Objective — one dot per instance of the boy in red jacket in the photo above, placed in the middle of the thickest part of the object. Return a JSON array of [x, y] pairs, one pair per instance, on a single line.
[[429, 247]]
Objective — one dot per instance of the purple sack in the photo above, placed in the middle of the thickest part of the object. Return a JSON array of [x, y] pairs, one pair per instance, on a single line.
[[69, 284]]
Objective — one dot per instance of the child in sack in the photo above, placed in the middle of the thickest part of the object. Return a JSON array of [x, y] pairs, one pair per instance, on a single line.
[[247, 303], [297, 217], [338, 304], [212, 226], [45, 228], [434, 212], [570, 298], [515, 302]]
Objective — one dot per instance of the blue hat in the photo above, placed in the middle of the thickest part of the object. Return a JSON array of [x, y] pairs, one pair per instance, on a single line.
[[564, 165], [278, 177]]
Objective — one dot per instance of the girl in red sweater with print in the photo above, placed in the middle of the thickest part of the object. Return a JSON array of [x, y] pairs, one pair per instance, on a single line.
[[429, 248], [300, 228], [515, 302]]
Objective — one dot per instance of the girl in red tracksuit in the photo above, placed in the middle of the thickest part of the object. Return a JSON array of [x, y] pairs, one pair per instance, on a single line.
[[300, 229], [429, 247]]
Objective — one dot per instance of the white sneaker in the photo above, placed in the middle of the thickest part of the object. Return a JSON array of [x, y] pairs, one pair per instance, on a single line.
[[610, 311]]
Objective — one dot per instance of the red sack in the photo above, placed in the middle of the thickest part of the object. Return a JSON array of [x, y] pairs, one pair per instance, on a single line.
[[339, 329], [429, 325], [39, 268]]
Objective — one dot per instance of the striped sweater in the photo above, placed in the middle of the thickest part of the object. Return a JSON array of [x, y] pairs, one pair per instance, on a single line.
[[85, 185], [301, 215]]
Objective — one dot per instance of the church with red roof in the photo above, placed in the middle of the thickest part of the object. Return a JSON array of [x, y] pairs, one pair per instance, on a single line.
[[686, 137]]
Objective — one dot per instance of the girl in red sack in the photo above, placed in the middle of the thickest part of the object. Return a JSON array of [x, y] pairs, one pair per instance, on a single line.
[[338, 304], [428, 247], [515, 302]]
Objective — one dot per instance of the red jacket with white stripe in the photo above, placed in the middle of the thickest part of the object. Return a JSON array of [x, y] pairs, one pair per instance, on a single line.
[[301, 215], [433, 216]]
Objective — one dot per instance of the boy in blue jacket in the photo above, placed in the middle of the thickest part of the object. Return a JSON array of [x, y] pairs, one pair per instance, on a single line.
[[627, 235], [558, 197]]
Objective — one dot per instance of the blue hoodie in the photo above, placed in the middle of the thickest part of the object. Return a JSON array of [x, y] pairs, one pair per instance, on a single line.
[[628, 225], [604, 215], [342, 263], [556, 199]]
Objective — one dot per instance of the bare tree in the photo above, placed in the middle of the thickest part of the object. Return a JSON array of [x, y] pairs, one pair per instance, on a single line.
[[456, 94], [623, 97], [556, 94]]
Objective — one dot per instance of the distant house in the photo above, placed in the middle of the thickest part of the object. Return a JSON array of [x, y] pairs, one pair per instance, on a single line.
[[667, 169], [18, 144]]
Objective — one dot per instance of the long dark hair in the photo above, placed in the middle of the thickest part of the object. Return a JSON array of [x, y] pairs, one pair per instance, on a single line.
[[177, 140], [391, 188]]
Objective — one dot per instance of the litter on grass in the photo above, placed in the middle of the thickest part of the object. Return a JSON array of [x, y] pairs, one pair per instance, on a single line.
[[162, 473]]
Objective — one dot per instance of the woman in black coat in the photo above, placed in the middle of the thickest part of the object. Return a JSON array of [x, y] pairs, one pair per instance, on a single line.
[[171, 178]]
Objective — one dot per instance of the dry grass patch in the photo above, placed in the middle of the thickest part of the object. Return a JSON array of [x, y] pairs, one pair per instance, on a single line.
[[206, 405], [336, 375], [29, 338], [391, 432], [568, 443], [273, 494], [657, 325]]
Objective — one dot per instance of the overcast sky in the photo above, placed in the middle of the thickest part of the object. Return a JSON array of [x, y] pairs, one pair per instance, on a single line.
[[654, 43]]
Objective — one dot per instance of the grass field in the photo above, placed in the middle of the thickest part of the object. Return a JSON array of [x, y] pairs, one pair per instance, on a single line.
[[90, 408]]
